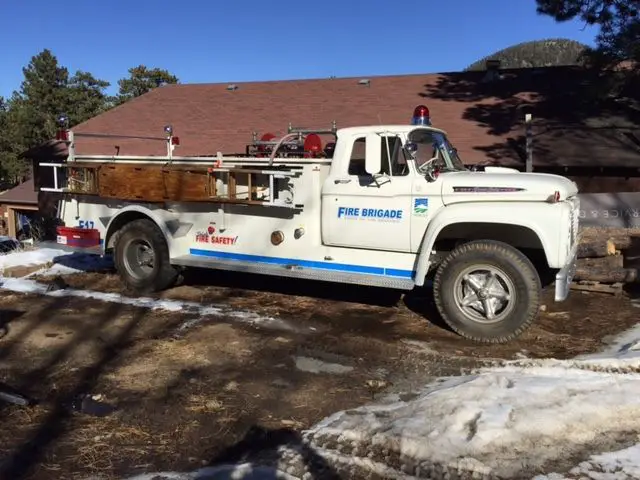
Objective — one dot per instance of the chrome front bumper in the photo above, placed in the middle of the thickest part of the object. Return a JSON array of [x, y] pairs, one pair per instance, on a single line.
[[565, 276]]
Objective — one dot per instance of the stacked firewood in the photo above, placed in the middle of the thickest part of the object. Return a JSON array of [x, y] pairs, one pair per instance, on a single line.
[[606, 260]]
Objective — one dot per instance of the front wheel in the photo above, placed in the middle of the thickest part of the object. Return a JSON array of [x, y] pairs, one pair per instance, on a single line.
[[487, 291], [142, 258]]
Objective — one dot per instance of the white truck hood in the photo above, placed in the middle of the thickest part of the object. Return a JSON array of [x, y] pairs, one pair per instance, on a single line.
[[504, 184]]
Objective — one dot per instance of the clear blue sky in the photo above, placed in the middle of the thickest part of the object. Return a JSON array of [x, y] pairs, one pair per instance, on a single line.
[[242, 40]]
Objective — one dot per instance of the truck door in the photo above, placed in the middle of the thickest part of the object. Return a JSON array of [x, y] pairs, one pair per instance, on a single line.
[[369, 211]]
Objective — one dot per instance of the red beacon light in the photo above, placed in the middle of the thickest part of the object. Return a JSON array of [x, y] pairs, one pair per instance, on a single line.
[[62, 135], [421, 116], [267, 137], [313, 144]]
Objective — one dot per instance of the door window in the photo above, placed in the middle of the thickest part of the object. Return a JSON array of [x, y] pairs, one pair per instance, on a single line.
[[393, 159]]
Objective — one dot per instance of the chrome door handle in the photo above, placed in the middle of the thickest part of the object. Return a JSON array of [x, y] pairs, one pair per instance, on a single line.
[[341, 180]]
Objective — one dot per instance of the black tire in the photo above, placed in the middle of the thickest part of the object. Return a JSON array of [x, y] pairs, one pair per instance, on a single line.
[[140, 279], [515, 272]]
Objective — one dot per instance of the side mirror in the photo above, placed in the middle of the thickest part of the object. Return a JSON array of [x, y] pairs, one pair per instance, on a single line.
[[411, 148]]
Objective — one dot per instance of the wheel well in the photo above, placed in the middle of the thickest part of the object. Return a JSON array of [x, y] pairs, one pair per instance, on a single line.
[[119, 222], [518, 236]]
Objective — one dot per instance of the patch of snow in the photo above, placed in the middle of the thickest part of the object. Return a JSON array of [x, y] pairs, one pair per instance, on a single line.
[[313, 365], [64, 262], [25, 285], [38, 256], [500, 421]]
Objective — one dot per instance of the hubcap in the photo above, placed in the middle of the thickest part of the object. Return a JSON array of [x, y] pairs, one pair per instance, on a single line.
[[139, 258], [484, 294]]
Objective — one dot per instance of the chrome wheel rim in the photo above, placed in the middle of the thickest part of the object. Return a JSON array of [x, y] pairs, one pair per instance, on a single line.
[[139, 259], [484, 294]]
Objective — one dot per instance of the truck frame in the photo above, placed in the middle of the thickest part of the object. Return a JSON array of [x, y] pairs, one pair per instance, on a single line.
[[388, 206]]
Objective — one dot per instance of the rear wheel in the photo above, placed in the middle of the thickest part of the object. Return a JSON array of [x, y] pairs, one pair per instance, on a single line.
[[487, 291], [142, 258]]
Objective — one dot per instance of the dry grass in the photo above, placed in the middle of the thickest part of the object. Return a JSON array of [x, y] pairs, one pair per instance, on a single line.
[[99, 452], [153, 366], [204, 404]]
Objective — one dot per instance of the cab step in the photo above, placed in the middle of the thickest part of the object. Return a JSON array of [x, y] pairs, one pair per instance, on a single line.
[[322, 271]]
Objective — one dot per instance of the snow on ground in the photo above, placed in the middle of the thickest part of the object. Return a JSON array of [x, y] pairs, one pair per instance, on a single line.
[[38, 256], [68, 263], [498, 422], [25, 285], [64, 262]]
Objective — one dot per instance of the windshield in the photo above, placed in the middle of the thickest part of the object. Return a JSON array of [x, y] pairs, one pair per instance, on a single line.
[[435, 148]]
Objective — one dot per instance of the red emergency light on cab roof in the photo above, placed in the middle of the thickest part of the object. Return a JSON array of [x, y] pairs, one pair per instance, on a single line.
[[421, 116]]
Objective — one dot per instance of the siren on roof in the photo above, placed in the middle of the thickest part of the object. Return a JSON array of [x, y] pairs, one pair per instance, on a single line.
[[312, 144], [421, 116]]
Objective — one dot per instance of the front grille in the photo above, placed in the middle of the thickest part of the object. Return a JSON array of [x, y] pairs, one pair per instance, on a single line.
[[575, 220]]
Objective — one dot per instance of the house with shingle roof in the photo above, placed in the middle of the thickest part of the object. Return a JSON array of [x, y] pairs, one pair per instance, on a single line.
[[483, 113], [573, 128]]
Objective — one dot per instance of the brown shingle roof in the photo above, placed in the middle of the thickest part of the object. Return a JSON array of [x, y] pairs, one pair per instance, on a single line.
[[23, 194], [484, 120]]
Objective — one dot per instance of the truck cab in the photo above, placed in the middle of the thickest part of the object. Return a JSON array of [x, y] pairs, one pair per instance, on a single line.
[[491, 237]]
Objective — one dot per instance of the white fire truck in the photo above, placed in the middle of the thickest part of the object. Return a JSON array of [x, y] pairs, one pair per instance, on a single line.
[[382, 205]]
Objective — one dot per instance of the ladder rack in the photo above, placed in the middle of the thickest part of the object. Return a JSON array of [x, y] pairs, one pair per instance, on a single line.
[[247, 180], [160, 183]]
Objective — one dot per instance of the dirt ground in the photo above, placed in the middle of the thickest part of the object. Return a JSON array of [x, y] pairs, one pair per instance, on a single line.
[[190, 391]]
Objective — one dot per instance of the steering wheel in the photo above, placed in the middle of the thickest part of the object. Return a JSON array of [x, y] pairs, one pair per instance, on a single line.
[[427, 165]]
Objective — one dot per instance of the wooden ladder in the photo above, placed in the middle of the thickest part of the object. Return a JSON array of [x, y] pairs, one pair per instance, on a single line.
[[242, 185], [73, 178]]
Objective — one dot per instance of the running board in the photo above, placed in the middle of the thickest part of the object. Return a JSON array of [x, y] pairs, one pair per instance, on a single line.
[[295, 271], [97, 250]]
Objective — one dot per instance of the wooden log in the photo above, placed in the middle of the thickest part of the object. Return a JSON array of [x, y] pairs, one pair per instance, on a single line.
[[615, 289], [605, 270], [596, 249], [620, 240], [602, 263], [618, 275]]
